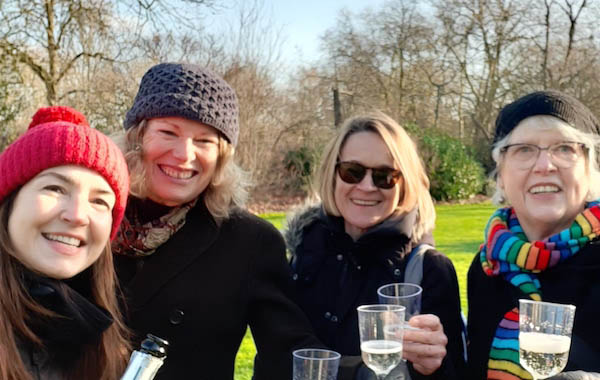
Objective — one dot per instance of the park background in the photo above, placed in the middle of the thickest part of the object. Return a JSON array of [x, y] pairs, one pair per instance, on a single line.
[[441, 68]]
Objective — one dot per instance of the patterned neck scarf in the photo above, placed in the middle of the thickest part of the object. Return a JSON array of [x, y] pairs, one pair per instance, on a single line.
[[506, 252], [137, 239]]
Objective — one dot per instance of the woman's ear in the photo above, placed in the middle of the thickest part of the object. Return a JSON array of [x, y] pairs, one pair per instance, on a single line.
[[499, 181]]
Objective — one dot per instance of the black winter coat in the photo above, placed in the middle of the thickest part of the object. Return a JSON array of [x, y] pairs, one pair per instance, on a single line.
[[575, 281], [334, 275], [204, 286]]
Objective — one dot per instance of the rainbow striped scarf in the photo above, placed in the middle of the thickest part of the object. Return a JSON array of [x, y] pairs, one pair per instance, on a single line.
[[507, 252]]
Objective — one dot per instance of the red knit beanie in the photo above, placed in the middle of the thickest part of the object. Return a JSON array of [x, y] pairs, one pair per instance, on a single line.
[[62, 136]]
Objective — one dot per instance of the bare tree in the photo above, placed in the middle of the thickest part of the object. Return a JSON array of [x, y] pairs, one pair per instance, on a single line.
[[50, 37], [375, 57], [481, 34], [11, 100]]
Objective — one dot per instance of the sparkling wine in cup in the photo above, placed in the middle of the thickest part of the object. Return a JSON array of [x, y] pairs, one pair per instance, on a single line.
[[315, 364], [544, 337], [381, 329]]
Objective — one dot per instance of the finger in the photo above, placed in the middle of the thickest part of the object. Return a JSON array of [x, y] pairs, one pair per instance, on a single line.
[[426, 337], [426, 321], [424, 350]]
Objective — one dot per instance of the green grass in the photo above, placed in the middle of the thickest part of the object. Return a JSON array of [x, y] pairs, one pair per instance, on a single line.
[[458, 233], [276, 218]]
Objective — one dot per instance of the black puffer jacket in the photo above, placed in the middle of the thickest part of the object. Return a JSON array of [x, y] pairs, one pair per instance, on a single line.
[[334, 275]]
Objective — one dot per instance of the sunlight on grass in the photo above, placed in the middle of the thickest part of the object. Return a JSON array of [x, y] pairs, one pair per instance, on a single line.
[[458, 234], [276, 218]]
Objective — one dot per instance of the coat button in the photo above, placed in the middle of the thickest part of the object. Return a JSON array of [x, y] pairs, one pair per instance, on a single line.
[[327, 315], [340, 257], [334, 318], [176, 317], [295, 276], [397, 272]]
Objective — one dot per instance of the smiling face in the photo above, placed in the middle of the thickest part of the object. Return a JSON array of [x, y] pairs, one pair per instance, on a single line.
[[364, 205], [546, 198], [61, 220], [180, 158]]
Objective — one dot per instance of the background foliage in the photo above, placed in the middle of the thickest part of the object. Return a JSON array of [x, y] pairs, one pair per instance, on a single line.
[[440, 65], [454, 173]]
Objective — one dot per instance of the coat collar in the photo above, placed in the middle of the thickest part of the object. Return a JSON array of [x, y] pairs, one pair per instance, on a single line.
[[393, 233], [193, 239], [395, 229]]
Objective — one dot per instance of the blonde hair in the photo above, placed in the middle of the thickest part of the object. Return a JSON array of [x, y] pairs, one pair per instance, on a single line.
[[547, 122], [227, 188], [404, 153]]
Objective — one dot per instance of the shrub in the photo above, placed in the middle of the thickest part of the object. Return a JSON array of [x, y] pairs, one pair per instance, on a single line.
[[453, 171], [301, 163]]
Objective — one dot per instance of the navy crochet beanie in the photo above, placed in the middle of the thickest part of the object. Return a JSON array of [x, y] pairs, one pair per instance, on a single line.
[[189, 91], [549, 102]]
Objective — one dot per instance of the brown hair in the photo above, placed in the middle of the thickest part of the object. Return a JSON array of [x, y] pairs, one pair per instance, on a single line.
[[403, 150], [104, 361]]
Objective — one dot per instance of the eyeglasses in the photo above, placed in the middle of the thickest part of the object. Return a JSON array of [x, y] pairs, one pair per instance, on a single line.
[[353, 173], [563, 154]]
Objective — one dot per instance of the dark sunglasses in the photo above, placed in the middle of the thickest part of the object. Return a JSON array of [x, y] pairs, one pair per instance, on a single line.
[[353, 173]]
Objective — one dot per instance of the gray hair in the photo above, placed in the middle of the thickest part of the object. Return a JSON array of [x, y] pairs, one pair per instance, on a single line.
[[590, 140]]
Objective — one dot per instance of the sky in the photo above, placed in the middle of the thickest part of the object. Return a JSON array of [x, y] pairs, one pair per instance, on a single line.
[[303, 21]]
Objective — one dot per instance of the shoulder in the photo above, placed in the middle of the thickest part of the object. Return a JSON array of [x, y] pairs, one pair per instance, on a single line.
[[475, 272], [243, 223], [436, 260], [298, 223], [429, 266], [439, 272]]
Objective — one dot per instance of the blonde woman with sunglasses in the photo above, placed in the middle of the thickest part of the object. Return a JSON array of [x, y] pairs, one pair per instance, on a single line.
[[375, 209]]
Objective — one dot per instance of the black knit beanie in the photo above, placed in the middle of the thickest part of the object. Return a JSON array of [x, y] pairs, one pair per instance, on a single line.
[[549, 102], [189, 91]]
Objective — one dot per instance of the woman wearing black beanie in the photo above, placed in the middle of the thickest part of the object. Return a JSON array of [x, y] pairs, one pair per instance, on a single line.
[[544, 245]]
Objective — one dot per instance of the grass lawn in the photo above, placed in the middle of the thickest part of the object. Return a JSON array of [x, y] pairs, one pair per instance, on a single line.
[[458, 233]]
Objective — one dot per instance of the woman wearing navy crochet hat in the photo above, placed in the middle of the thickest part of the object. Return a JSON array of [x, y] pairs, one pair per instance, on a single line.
[[198, 269], [547, 172], [63, 191]]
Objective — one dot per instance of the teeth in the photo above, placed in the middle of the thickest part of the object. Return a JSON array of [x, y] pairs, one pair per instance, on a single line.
[[544, 189], [179, 174], [64, 239], [361, 202]]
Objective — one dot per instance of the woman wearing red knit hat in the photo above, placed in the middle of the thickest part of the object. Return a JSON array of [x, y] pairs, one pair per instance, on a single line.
[[63, 191]]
